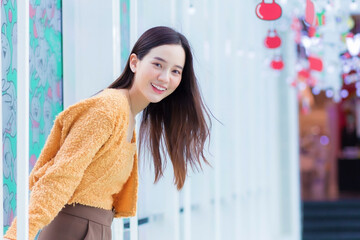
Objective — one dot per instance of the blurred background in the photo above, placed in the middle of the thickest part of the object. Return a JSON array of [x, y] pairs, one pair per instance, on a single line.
[[282, 78]]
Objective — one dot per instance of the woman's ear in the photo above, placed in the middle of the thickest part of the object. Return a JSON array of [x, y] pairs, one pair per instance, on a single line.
[[133, 62]]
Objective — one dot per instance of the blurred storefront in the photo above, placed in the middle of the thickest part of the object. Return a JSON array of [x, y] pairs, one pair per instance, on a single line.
[[329, 125]]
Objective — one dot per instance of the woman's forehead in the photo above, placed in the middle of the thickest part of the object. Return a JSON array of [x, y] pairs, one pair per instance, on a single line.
[[171, 54]]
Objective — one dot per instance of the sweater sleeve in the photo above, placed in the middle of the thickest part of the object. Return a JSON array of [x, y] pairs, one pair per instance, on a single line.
[[126, 200], [52, 191]]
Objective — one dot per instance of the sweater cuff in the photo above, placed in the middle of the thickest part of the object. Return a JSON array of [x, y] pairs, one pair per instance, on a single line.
[[11, 232], [125, 214]]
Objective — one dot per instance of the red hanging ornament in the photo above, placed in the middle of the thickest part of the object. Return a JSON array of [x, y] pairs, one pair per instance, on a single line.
[[277, 63], [315, 63], [350, 35], [347, 55], [310, 13], [312, 31], [268, 11], [304, 74], [272, 40]]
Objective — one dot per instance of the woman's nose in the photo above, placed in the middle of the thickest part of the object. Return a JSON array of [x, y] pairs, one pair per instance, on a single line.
[[164, 77]]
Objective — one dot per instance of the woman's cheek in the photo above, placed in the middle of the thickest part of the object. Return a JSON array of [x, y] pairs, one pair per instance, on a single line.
[[153, 72], [177, 82]]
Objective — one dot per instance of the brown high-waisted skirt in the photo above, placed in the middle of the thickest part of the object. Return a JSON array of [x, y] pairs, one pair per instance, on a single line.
[[79, 222]]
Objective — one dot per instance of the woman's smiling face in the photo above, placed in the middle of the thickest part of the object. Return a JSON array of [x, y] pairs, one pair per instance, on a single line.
[[158, 73]]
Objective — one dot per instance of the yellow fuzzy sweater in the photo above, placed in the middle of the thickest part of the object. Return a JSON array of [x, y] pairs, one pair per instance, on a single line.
[[86, 159]]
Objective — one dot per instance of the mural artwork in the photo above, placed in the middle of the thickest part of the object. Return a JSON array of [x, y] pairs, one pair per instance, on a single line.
[[125, 31], [8, 83], [45, 86]]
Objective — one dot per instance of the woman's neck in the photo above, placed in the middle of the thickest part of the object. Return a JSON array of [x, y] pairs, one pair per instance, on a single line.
[[137, 101]]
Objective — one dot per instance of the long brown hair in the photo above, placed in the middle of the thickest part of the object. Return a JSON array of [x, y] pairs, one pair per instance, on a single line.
[[180, 121]]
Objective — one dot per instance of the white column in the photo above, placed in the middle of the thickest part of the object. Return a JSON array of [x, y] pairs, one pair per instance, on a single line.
[[237, 123], [293, 134], [134, 228], [23, 120], [118, 223], [116, 38], [173, 12], [88, 55], [176, 215], [187, 209], [117, 229], [69, 31], [216, 84], [133, 22], [187, 186], [133, 38]]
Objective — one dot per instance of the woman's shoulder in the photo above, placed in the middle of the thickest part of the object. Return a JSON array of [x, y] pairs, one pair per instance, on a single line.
[[110, 95], [113, 102]]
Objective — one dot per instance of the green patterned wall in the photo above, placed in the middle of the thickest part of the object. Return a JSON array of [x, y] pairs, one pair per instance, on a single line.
[[45, 86], [125, 31], [8, 81], [45, 71]]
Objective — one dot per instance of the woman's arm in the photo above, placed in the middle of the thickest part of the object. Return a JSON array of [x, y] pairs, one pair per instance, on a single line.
[[125, 201], [54, 189]]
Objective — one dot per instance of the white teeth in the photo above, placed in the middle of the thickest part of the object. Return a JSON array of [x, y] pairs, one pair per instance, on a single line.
[[158, 87]]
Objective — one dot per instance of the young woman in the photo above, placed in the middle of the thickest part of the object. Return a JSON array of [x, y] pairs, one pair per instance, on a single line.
[[87, 172]]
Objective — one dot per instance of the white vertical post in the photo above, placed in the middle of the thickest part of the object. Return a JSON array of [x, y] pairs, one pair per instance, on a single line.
[[294, 146], [187, 209], [134, 228], [117, 229], [173, 12], [133, 22], [239, 100], [176, 216], [69, 36], [133, 38], [23, 120], [176, 194], [216, 131], [118, 223], [116, 38], [187, 185]]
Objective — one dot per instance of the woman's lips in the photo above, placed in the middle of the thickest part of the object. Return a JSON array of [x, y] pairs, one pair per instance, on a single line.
[[158, 89]]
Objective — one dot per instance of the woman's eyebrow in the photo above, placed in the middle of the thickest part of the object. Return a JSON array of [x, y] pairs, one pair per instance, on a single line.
[[163, 60]]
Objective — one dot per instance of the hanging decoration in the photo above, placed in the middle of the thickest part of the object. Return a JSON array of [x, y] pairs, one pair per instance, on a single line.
[[277, 63], [310, 13], [320, 18], [327, 57], [272, 40], [296, 27], [268, 11], [351, 59], [315, 63]]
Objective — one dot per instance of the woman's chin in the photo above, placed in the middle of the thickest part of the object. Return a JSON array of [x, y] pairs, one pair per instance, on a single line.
[[155, 99]]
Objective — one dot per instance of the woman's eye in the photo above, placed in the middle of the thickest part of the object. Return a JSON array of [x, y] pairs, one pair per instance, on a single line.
[[157, 64], [176, 72]]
